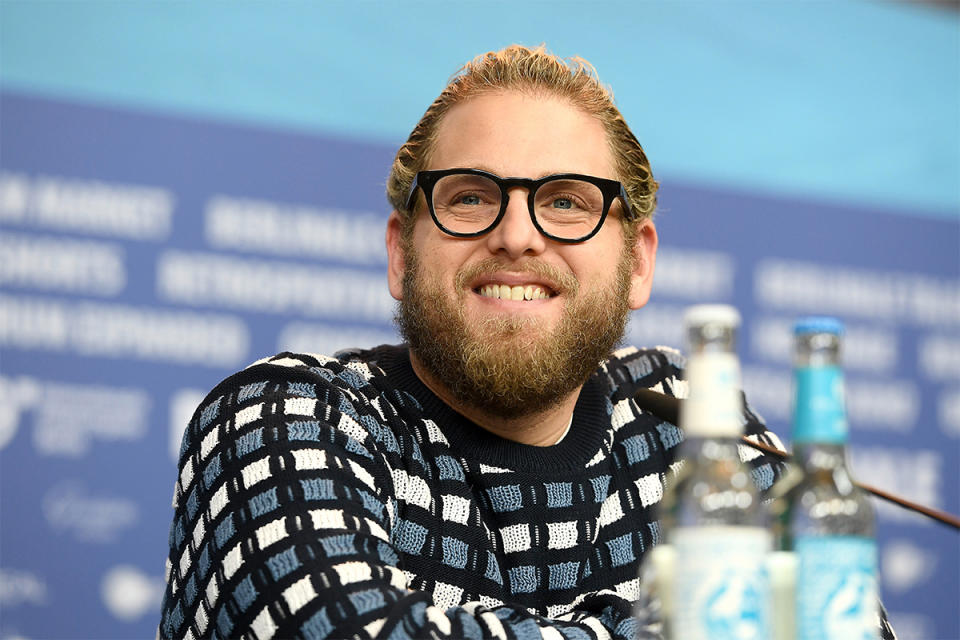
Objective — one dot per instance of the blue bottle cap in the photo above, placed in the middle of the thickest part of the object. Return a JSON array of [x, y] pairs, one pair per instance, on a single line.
[[818, 324]]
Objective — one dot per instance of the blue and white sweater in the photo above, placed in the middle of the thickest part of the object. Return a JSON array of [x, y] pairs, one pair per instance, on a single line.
[[338, 497]]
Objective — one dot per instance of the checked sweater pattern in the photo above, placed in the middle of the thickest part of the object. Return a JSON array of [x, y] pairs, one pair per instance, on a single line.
[[325, 497]]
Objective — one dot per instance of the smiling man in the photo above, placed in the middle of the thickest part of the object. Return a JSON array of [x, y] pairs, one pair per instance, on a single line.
[[511, 293], [493, 477]]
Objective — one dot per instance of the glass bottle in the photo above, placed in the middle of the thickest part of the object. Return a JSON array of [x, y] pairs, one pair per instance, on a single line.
[[715, 526], [831, 520]]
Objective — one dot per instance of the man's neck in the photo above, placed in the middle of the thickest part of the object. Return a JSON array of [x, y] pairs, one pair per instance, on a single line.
[[541, 429]]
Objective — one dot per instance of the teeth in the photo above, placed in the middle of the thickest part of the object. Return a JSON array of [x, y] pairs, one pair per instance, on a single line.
[[519, 292]]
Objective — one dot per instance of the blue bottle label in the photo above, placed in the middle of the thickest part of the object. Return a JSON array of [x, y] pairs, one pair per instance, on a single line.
[[819, 414], [837, 595], [720, 583]]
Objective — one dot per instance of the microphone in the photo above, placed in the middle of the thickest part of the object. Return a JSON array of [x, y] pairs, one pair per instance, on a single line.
[[667, 408]]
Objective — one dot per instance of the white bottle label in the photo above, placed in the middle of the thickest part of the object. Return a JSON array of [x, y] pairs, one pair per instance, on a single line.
[[836, 588], [714, 408], [720, 587]]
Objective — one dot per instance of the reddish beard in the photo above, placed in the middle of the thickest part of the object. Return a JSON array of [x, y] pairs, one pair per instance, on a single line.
[[512, 366]]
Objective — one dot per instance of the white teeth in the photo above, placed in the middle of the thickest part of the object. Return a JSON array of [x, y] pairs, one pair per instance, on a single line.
[[518, 292]]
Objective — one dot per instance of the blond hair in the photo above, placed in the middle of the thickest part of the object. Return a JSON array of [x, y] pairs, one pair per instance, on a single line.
[[519, 68]]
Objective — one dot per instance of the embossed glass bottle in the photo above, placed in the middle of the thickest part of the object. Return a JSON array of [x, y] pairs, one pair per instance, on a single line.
[[716, 526], [831, 520]]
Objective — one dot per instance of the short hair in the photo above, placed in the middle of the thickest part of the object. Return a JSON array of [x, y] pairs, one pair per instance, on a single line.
[[519, 68]]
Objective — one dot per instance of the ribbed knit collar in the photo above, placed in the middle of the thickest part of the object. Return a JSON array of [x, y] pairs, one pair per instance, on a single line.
[[591, 420]]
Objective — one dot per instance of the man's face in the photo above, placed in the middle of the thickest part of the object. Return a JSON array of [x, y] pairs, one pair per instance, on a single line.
[[505, 355]]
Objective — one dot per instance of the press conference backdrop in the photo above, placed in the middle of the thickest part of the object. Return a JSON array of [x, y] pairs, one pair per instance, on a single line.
[[180, 197]]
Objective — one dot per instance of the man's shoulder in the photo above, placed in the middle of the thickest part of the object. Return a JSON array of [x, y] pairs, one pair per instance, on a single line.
[[294, 384], [659, 368], [348, 368], [354, 374], [668, 355]]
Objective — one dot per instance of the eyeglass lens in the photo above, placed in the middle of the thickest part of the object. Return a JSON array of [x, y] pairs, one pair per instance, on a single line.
[[565, 208]]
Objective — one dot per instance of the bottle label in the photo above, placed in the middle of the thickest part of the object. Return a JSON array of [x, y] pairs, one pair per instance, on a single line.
[[836, 588], [819, 415], [714, 408], [720, 586]]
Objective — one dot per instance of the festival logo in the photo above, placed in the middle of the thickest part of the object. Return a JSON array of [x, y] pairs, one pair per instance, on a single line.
[[69, 507], [128, 593]]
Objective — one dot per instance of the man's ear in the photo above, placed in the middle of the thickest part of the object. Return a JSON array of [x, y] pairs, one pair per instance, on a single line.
[[644, 260], [396, 262]]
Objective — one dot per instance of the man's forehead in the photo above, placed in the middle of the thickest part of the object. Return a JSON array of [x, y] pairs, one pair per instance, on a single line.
[[518, 134]]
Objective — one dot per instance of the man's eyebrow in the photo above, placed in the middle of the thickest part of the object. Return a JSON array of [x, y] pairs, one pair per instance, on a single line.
[[488, 169]]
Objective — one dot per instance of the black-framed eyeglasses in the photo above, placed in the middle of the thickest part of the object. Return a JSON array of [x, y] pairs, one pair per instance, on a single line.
[[566, 207]]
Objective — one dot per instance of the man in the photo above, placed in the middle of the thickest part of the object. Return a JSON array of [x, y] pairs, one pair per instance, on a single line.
[[494, 478]]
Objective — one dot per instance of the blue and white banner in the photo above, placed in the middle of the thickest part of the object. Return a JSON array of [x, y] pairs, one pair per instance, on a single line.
[[145, 257]]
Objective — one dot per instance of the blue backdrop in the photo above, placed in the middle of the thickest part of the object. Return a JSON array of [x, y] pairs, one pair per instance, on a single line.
[[158, 162]]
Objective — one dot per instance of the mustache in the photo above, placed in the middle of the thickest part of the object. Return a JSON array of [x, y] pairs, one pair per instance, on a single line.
[[559, 281]]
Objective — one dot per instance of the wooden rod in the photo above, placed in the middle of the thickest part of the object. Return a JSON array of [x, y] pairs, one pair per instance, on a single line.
[[667, 408], [941, 516]]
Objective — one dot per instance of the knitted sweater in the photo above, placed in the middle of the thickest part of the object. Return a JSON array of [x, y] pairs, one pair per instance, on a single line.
[[338, 497]]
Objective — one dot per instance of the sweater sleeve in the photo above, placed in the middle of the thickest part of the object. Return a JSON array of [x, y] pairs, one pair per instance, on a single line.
[[286, 526]]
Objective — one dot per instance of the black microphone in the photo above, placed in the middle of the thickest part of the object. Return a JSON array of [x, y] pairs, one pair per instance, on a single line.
[[667, 408]]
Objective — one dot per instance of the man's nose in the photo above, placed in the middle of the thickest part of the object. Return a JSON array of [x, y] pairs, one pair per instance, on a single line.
[[515, 235]]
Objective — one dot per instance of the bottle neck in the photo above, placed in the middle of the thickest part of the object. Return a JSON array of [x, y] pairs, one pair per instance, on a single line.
[[819, 412], [827, 462], [818, 455]]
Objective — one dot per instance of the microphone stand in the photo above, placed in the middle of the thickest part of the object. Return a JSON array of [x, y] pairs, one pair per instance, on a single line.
[[667, 408]]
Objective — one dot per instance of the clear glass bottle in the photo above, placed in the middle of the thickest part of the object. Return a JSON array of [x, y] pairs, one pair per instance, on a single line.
[[715, 524], [831, 520]]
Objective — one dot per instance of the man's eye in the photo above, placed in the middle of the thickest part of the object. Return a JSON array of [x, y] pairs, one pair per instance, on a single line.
[[470, 199], [563, 203]]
